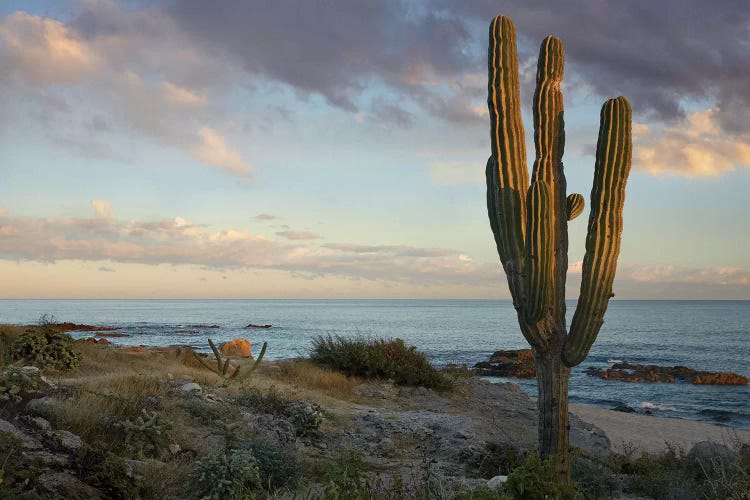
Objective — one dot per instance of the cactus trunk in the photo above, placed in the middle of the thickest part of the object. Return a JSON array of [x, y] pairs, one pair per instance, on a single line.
[[530, 223], [552, 401]]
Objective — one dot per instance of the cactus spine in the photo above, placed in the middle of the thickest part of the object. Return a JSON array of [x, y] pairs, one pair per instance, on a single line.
[[530, 222]]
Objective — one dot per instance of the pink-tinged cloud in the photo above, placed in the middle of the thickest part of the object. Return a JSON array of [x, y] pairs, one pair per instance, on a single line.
[[177, 241], [695, 148], [146, 77]]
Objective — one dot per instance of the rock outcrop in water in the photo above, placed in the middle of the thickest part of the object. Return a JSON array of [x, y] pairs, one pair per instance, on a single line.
[[237, 348], [74, 327], [631, 372], [518, 363], [251, 325]]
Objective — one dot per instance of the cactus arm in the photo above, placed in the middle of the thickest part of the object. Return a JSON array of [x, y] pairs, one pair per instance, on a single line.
[[549, 142], [576, 204], [613, 157], [202, 362], [260, 358], [508, 177], [503, 204], [539, 249]]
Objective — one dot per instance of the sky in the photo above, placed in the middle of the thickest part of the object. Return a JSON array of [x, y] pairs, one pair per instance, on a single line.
[[336, 148]]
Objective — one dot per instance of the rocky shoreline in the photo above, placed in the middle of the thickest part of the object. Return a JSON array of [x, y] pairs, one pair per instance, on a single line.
[[519, 363]]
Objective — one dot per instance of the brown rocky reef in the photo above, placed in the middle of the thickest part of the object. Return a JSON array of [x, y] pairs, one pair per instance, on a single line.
[[631, 372], [518, 363], [74, 327]]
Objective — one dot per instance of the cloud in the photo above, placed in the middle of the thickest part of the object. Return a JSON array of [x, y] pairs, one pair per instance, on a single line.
[[341, 49], [44, 51], [181, 95], [659, 54], [102, 209], [213, 150], [694, 149], [178, 242], [266, 217], [298, 235], [135, 67]]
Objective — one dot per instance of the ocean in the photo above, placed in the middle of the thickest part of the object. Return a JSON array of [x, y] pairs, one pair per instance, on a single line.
[[705, 335]]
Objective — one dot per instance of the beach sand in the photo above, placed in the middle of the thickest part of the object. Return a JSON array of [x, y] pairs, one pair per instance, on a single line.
[[652, 434]]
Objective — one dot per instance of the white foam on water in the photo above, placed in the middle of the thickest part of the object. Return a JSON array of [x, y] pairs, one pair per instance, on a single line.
[[646, 405]]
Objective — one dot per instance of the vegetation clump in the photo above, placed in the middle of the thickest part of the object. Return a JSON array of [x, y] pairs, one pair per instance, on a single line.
[[378, 358], [305, 416], [146, 434], [46, 348], [234, 474]]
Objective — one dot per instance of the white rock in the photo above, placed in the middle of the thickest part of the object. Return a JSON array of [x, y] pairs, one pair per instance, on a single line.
[[496, 482], [191, 388]]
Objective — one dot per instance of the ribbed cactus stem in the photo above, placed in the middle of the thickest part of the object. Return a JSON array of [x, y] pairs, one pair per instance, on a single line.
[[539, 249], [507, 174], [576, 204], [549, 139], [613, 157]]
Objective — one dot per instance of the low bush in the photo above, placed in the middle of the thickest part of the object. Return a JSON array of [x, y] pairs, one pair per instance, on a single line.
[[45, 348], [537, 479], [277, 467], [495, 459], [145, 435], [378, 358], [344, 477], [15, 473], [20, 384], [234, 474], [305, 416]]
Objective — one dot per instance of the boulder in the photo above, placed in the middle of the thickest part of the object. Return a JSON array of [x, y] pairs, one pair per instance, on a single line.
[[518, 363], [252, 325], [239, 348], [61, 485], [67, 441], [191, 389], [25, 440], [496, 482]]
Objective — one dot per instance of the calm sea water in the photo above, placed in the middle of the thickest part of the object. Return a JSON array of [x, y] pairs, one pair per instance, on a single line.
[[708, 335]]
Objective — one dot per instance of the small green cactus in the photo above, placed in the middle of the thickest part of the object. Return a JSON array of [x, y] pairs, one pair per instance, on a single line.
[[222, 365], [529, 221]]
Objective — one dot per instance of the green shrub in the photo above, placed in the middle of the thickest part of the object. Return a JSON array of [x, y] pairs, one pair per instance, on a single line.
[[344, 476], [536, 480], [16, 475], [45, 348], [20, 384], [108, 474], [593, 478], [146, 435], [378, 358], [277, 467], [234, 474], [305, 416], [495, 459]]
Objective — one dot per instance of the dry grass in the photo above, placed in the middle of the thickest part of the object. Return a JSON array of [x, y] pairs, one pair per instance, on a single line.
[[305, 374]]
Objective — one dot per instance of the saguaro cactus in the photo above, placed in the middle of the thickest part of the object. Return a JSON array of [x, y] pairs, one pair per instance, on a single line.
[[530, 222]]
